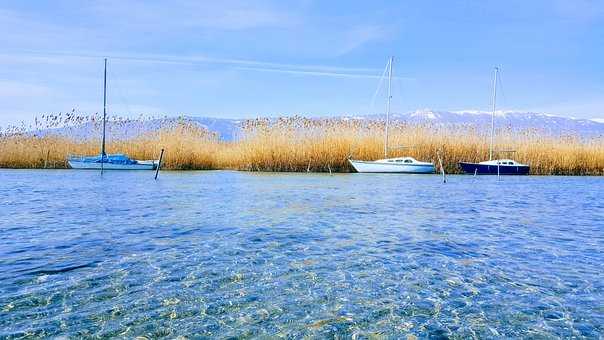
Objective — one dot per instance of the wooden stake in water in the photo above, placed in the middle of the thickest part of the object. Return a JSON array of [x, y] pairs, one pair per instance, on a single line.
[[442, 168], [161, 155]]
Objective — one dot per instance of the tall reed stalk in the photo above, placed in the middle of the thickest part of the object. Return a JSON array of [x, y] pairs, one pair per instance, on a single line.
[[301, 144]]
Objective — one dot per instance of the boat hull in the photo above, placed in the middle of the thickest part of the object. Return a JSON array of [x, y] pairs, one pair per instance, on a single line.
[[486, 169], [143, 165], [375, 167]]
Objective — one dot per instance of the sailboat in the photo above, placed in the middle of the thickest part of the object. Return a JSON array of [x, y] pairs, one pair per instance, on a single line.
[[495, 166], [402, 165], [105, 161]]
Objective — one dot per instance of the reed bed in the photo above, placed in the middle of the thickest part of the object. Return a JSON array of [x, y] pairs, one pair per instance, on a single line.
[[301, 144]]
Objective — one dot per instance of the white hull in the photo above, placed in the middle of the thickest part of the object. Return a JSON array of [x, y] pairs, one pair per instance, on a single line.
[[387, 167], [140, 165]]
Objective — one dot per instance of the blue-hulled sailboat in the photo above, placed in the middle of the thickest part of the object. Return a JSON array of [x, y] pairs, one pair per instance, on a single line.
[[105, 161], [495, 166]]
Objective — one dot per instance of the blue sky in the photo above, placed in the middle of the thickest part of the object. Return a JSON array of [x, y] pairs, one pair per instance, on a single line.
[[242, 59]]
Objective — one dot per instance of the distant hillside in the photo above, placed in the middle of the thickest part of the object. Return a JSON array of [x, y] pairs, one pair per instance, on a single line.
[[229, 129], [546, 123]]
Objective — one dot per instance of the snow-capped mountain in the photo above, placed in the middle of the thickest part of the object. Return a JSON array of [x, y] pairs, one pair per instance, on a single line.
[[229, 129], [545, 123]]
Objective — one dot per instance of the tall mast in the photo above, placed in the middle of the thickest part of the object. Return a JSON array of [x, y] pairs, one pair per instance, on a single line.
[[104, 110], [388, 106], [493, 114]]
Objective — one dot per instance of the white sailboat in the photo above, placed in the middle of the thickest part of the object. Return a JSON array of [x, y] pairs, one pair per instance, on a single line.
[[402, 165], [105, 161]]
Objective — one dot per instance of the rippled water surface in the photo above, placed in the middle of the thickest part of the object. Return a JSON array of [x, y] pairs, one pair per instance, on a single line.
[[219, 254]]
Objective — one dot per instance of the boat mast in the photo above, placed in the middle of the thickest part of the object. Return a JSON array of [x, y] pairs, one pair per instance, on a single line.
[[493, 114], [388, 106], [104, 110]]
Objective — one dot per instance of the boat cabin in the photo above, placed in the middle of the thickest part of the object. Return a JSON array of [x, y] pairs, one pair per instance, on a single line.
[[502, 162], [404, 160]]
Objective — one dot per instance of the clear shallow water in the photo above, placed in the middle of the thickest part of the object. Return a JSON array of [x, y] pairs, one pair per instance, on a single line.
[[219, 254]]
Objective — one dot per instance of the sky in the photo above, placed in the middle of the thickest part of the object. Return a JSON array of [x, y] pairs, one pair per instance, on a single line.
[[243, 59]]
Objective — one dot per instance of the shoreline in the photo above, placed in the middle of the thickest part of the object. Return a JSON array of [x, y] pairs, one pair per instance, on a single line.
[[303, 145], [459, 174]]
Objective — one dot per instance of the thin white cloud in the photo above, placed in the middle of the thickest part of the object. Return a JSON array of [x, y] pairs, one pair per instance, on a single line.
[[12, 89], [282, 29], [229, 15], [310, 73], [66, 57], [361, 35], [20, 28]]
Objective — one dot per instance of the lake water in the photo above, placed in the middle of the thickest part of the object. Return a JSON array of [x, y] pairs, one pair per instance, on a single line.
[[220, 254]]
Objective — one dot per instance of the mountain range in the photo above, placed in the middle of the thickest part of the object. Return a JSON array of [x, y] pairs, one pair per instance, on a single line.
[[517, 121], [229, 129]]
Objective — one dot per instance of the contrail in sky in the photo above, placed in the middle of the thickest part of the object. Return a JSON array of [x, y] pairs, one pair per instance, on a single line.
[[314, 73], [242, 64]]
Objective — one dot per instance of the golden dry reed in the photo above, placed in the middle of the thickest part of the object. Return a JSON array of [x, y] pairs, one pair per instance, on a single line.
[[301, 144]]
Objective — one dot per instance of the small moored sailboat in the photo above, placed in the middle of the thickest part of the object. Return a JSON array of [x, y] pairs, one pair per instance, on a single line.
[[110, 162], [105, 161], [495, 166], [408, 165], [402, 165]]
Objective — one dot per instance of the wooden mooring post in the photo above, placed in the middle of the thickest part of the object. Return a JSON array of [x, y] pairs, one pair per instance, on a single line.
[[161, 156], [442, 168]]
